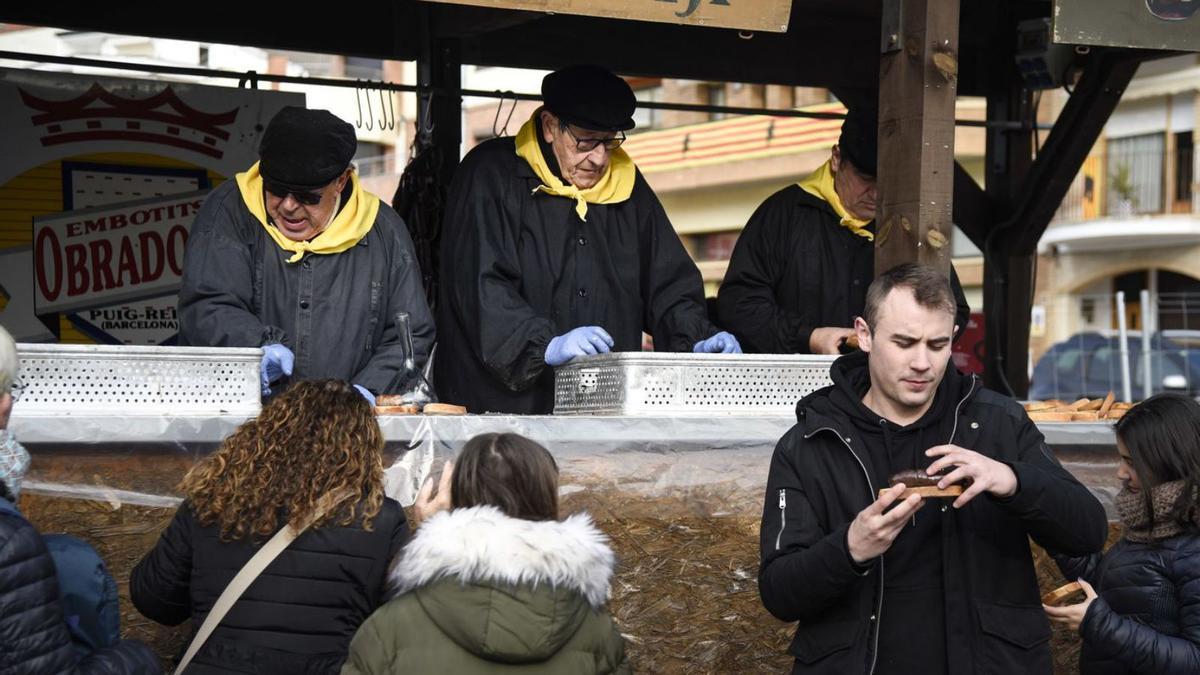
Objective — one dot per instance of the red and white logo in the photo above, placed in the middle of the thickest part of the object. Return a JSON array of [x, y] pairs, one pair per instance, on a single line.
[[100, 115]]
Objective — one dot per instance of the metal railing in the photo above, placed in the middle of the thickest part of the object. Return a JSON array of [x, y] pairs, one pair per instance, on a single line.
[[1131, 184]]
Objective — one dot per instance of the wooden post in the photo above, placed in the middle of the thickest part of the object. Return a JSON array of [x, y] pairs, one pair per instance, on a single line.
[[918, 78]]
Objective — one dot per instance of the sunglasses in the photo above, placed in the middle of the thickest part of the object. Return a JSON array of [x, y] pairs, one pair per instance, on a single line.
[[589, 144], [306, 197]]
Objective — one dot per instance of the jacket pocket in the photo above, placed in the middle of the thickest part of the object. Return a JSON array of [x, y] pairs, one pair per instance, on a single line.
[[1014, 639], [816, 642]]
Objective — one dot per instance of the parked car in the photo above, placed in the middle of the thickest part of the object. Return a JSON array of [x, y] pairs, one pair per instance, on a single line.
[[1089, 365]]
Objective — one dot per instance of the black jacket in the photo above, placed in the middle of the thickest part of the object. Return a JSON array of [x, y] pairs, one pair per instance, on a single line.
[[821, 477], [335, 312], [34, 637], [795, 268], [519, 268], [1147, 618], [297, 617]]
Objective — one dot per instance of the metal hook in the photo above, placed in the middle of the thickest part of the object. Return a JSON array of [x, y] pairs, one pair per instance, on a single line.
[[392, 107], [427, 121], [358, 102], [251, 78], [500, 106], [370, 110], [383, 124]]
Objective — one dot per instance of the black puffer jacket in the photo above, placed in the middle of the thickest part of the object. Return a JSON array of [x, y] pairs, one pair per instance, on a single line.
[[1147, 618], [33, 633], [822, 476], [297, 617]]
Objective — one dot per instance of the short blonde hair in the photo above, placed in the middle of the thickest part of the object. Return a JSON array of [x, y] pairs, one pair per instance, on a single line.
[[8, 361]]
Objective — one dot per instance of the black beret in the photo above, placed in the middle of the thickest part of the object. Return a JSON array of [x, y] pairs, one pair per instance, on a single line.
[[859, 142], [305, 149], [590, 97]]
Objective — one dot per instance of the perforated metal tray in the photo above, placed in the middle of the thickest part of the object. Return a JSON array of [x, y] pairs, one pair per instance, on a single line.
[[653, 383], [101, 379]]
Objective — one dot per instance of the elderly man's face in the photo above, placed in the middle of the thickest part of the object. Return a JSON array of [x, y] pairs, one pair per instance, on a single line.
[[583, 169], [856, 189], [299, 221]]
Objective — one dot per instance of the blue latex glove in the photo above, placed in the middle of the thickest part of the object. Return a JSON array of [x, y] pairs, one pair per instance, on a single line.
[[578, 342], [365, 394], [721, 343], [277, 361]]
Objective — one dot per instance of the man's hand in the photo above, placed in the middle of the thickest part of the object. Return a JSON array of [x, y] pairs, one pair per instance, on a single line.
[[985, 473], [427, 503], [872, 531], [828, 340], [719, 343], [1072, 615], [277, 362], [577, 342]]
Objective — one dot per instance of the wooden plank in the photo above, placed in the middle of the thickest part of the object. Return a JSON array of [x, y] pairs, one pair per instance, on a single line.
[[763, 15], [918, 84]]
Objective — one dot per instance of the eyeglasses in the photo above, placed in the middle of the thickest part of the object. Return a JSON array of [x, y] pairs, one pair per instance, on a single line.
[[16, 389], [589, 144], [309, 198]]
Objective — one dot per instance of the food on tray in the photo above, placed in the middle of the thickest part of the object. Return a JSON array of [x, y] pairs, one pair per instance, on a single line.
[[1082, 410]]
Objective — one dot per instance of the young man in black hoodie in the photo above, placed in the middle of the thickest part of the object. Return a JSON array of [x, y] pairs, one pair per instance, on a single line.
[[883, 585]]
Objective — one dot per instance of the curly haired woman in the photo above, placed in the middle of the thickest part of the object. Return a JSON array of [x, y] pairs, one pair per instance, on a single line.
[[313, 456]]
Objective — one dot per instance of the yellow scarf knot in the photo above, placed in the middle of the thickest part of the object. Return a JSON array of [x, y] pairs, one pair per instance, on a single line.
[[349, 226], [819, 184], [614, 187]]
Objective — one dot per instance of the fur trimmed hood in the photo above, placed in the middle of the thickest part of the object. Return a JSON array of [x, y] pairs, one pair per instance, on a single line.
[[481, 545]]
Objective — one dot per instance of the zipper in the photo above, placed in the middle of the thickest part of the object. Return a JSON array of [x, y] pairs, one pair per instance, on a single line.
[[782, 516], [958, 409], [871, 498]]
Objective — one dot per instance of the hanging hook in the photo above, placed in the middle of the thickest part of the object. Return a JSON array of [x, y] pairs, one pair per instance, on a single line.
[[383, 124], [251, 78], [426, 120], [358, 102], [370, 110], [392, 107], [500, 106]]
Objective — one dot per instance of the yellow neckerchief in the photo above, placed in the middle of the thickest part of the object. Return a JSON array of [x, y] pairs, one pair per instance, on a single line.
[[820, 185], [614, 187], [349, 225]]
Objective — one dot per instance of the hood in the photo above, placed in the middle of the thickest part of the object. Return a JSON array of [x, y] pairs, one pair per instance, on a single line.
[[842, 403], [506, 589]]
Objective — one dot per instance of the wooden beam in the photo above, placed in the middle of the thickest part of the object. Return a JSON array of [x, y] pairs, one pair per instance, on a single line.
[[918, 84]]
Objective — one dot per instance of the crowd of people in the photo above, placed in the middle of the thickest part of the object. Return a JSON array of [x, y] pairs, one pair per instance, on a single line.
[[287, 557]]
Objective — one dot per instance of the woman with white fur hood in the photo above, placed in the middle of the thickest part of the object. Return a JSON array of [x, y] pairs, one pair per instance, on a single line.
[[493, 582]]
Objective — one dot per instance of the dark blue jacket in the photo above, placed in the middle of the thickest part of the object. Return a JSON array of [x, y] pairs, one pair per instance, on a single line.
[[1147, 618], [34, 637]]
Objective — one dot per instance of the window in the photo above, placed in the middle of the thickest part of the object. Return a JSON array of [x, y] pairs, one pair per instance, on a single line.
[[716, 97], [648, 118], [1185, 166], [1135, 174]]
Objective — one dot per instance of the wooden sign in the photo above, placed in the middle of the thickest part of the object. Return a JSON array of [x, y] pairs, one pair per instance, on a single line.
[[1146, 24], [759, 15]]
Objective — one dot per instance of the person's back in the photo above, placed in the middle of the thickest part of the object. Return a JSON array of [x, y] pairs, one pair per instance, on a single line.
[[317, 438], [35, 636], [498, 584]]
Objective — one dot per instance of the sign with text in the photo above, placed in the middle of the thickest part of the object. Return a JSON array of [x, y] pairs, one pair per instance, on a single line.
[[1146, 24], [96, 257], [764, 15]]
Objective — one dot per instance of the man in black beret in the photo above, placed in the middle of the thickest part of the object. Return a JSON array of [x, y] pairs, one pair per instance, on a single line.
[[555, 247], [799, 273], [294, 256]]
